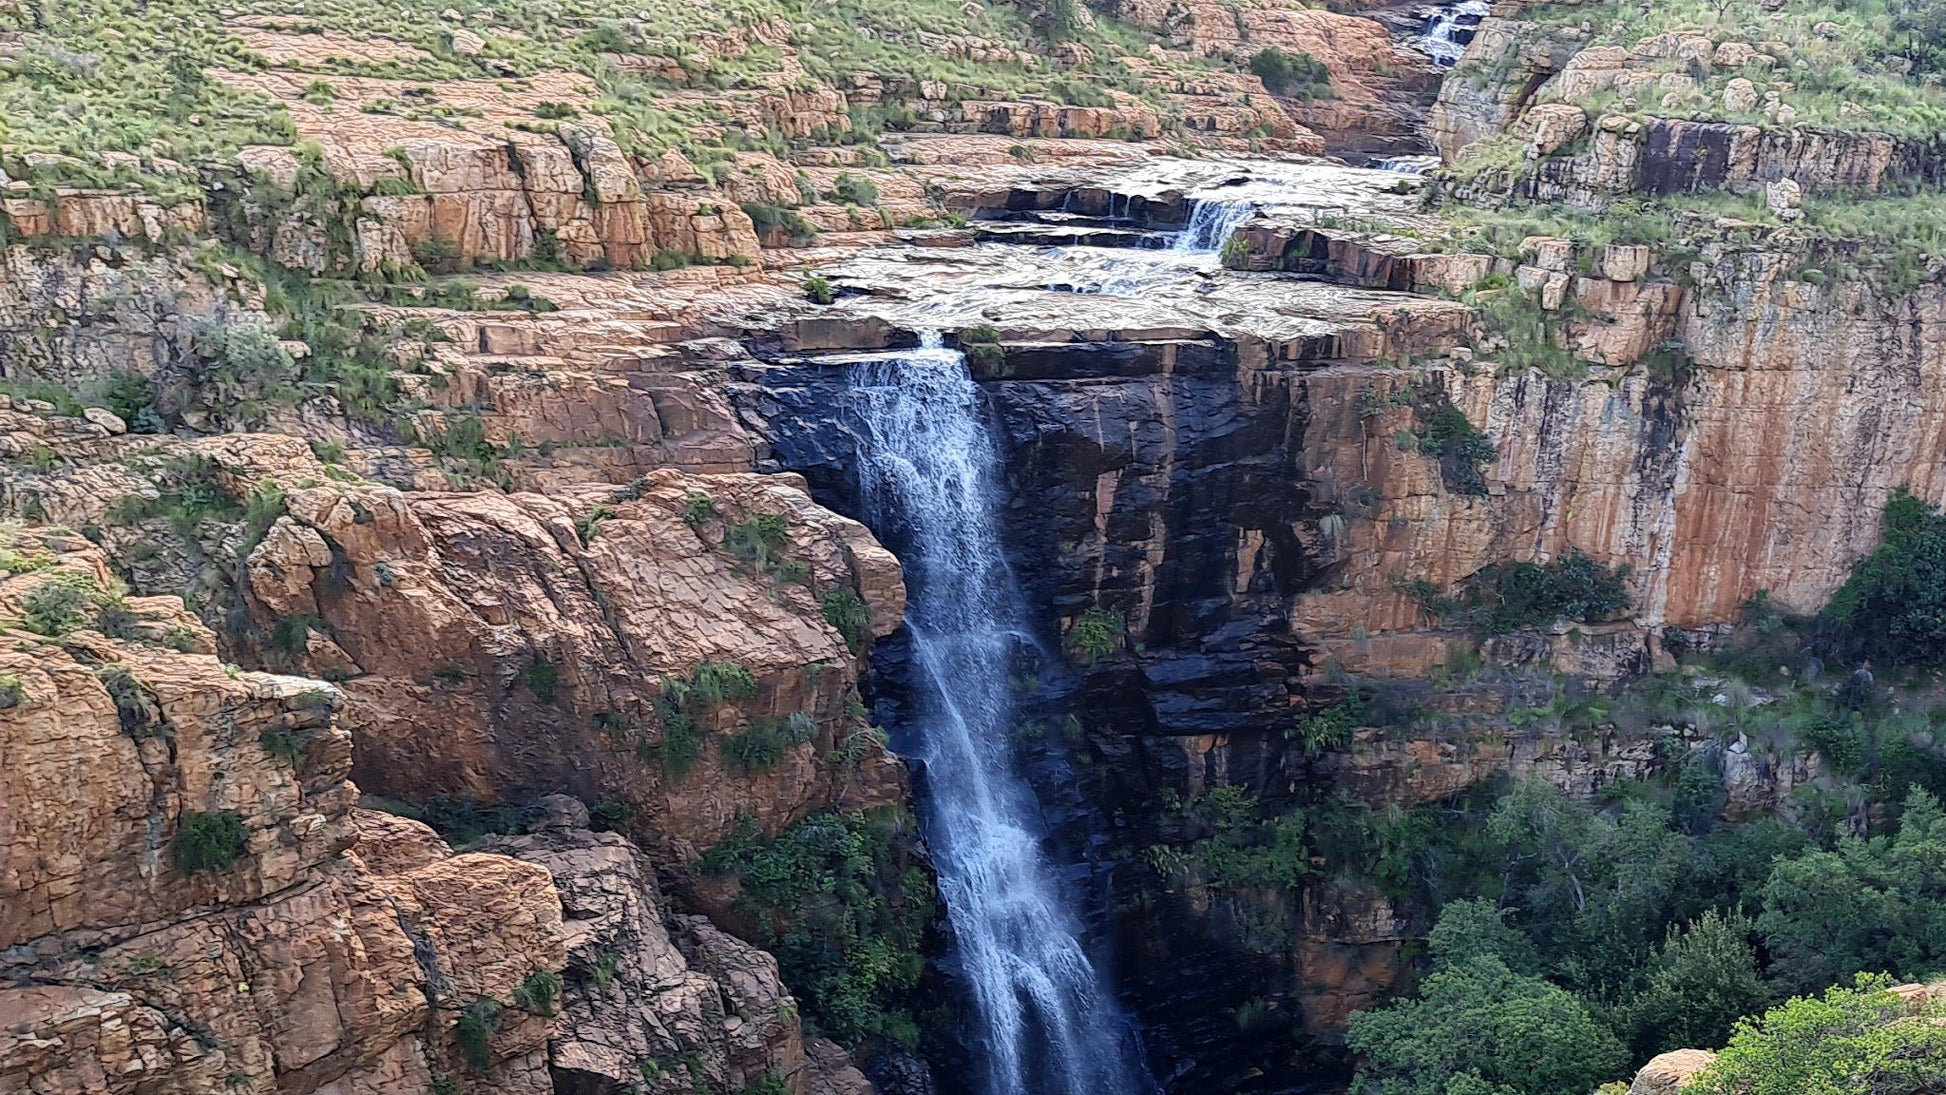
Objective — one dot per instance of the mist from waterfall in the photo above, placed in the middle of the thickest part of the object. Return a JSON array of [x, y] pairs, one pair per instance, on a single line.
[[930, 481]]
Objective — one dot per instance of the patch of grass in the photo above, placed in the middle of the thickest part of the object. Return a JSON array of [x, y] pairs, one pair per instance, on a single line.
[[846, 611], [1097, 634], [538, 993]]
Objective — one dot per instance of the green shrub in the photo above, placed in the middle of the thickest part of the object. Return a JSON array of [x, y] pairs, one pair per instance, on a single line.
[[1329, 729], [135, 707], [855, 189], [1447, 434], [1892, 608], [1097, 634], [473, 1032], [1506, 597], [1297, 75], [697, 508], [759, 748], [588, 525], [54, 608], [540, 678], [12, 692], [287, 745], [208, 841], [760, 541], [1859, 1041], [818, 290], [666, 259], [714, 684], [769, 218], [845, 909], [846, 611], [538, 993]]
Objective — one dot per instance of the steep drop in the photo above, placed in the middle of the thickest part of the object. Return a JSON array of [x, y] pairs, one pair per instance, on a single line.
[[928, 471]]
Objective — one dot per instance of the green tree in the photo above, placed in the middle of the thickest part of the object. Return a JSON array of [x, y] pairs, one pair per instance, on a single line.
[[1852, 1041], [1893, 606], [1479, 1028], [1876, 904], [1704, 978]]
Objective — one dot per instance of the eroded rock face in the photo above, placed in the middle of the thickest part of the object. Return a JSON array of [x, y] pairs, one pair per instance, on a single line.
[[182, 911], [646, 985]]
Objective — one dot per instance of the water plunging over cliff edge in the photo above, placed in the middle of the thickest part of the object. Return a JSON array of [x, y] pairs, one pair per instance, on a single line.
[[929, 472]]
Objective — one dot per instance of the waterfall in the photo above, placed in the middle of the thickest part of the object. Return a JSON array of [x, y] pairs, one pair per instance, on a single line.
[[1210, 225], [929, 475], [1450, 29]]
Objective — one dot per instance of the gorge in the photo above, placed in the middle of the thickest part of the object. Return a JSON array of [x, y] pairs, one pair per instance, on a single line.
[[958, 549]]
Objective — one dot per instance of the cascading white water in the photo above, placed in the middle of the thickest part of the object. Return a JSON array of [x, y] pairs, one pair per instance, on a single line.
[[1210, 225], [1196, 248], [1449, 30], [929, 473]]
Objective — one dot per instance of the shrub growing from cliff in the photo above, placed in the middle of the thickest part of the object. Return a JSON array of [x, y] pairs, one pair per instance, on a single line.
[[208, 841], [1097, 634], [1293, 74], [473, 1032], [846, 611], [1893, 606], [538, 992], [1507, 597], [1449, 436], [845, 908]]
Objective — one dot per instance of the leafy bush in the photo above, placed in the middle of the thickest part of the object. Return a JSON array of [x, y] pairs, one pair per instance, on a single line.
[[1506, 597], [1856, 1041], [208, 841], [714, 684], [1479, 1027], [13, 693], [697, 508], [538, 992], [845, 908], [473, 1032], [769, 218], [1446, 433], [1296, 75], [855, 189], [135, 707], [286, 745], [54, 608], [759, 541], [1097, 634], [846, 611], [541, 679], [1237, 845], [762, 745], [818, 290], [1892, 608], [1329, 729]]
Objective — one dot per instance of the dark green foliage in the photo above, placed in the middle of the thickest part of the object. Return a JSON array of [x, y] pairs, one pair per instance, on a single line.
[[54, 608], [1703, 979], [714, 684], [1447, 434], [115, 619], [462, 820], [287, 745], [1296, 75], [135, 706], [541, 679], [538, 993], [12, 692], [1234, 845], [760, 541], [762, 745], [818, 290], [474, 1030], [292, 634], [854, 189], [1097, 634], [845, 908], [240, 370], [208, 841], [1329, 729], [846, 611], [776, 218], [770, 1083], [697, 508], [1506, 597], [1873, 904], [588, 525], [261, 508], [681, 742], [130, 395], [1475, 928], [1893, 606], [1479, 1028], [1860, 1040]]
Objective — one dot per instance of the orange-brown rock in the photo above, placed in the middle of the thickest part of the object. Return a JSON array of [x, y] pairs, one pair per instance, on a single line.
[[271, 962]]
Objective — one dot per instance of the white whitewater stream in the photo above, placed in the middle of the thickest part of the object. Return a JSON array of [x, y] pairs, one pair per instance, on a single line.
[[930, 471]]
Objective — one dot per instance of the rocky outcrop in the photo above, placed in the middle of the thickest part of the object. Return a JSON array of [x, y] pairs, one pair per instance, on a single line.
[[180, 911], [662, 999]]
